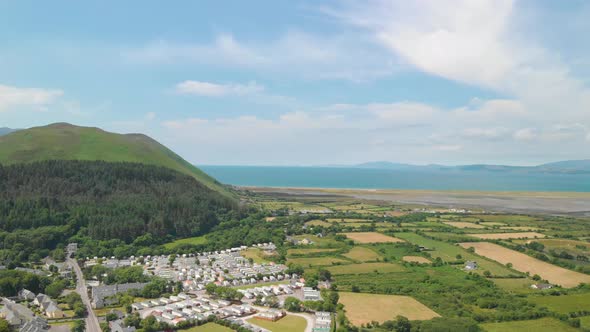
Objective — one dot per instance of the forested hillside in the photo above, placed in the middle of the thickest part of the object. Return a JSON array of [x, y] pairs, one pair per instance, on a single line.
[[42, 204], [64, 141]]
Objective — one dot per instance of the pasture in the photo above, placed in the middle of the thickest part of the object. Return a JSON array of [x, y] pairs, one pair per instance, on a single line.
[[515, 285], [371, 237], [316, 261], [362, 254], [363, 308], [255, 254], [524, 263], [505, 236], [289, 323], [416, 259], [462, 224], [187, 241], [366, 268], [536, 325], [563, 304], [209, 327], [318, 222], [305, 251]]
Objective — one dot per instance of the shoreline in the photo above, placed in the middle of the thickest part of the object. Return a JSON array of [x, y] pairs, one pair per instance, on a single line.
[[556, 203]]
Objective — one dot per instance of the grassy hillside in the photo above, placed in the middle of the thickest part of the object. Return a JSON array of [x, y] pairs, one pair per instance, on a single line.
[[63, 141]]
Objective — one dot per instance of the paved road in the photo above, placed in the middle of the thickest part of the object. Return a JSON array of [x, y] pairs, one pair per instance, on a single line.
[[91, 321]]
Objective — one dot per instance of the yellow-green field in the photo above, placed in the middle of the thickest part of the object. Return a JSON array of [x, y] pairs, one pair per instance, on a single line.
[[366, 268], [190, 241], [536, 325], [371, 237], [318, 222], [316, 261], [362, 254], [303, 251], [462, 224], [515, 285], [505, 236], [363, 308], [416, 259], [256, 254], [289, 323]]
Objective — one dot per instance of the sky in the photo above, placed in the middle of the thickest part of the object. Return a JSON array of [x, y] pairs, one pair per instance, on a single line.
[[308, 82]]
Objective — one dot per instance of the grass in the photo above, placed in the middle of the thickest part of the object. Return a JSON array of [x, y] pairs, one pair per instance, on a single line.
[[463, 224], [585, 322], [320, 242], [515, 285], [209, 327], [366, 268], [105, 311], [363, 308], [504, 236], [362, 254], [317, 261], [256, 255], [416, 259], [190, 241], [563, 304], [262, 284], [370, 237], [536, 325], [301, 252], [68, 142], [318, 223], [289, 323]]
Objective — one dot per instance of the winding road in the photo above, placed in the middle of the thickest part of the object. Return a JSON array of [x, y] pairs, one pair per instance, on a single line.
[[91, 320]]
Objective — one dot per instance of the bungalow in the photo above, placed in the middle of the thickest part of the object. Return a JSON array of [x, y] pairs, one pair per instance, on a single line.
[[541, 286], [53, 311], [470, 265], [26, 295], [119, 326]]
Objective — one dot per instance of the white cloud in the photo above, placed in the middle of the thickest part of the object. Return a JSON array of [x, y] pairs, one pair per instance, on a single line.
[[350, 57], [218, 90], [525, 134], [150, 116], [38, 98]]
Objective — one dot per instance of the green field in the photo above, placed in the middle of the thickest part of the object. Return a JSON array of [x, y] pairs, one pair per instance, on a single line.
[[366, 268], [209, 327], [362, 254], [448, 252], [288, 323], [317, 261], [537, 325], [563, 304], [302, 251], [515, 285], [255, 254], [188, 241]]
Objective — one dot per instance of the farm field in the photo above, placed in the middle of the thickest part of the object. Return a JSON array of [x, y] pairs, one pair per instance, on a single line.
[[371, 237], [492, 223], [209, 327], [462, 224], [524, 263], [536, 325], [299, 252], [360, 308], [585, 322], [318, 223], [416, 259], [289, 323], [347, 220], [448, 252], [563, 244], [505, 236], [362, 254], [365, 268], [317, 261], [515, 285], [320, 242], [563, 304]]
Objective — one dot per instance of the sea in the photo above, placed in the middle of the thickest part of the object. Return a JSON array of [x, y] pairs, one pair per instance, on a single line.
[[367, 178]]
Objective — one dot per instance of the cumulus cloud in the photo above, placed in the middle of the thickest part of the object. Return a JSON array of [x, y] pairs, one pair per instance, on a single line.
[[525, 134], [38, 98]]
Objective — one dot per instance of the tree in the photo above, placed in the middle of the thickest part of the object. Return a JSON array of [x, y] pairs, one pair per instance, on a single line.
[[79, 326], [536, 277], [324, 275], [4, 326], [402, 324], [292, 304], [487, 273]]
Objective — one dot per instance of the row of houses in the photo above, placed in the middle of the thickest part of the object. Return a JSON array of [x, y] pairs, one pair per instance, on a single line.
[[265, 291], [105, 295], [22, 318], [171, 311], [48, 306]]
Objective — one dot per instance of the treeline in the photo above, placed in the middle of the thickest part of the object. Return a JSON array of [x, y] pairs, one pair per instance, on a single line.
[[43, 204]]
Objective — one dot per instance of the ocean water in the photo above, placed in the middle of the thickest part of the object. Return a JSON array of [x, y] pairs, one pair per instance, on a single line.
[[360, 178]]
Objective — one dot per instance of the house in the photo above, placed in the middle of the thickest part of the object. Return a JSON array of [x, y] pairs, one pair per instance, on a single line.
[[271, 315], [53, 311], [119, 326], [19, 316], [26, 295], [310, 294], [104, 295], [541, 286], [470, 265]]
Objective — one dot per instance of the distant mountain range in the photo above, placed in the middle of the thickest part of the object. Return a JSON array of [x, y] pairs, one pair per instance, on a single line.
[[567, 166], [4, 130]]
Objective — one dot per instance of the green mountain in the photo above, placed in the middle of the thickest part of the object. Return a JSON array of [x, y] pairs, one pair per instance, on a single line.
[[63, 141]]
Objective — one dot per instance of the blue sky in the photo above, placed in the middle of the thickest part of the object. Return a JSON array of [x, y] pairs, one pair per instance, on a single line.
[[308, 82]]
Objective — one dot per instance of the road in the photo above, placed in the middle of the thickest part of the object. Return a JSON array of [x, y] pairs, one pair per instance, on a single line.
[[91, 320]]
